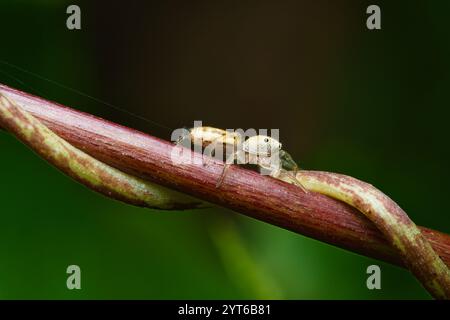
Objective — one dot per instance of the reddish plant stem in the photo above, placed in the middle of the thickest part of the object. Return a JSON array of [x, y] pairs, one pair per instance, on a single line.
[[391, 220], [264, 198], [85, 169]]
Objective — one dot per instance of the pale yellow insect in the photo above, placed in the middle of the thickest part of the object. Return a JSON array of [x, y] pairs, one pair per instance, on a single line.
[[255, 150], [206, 136], [259, 150]]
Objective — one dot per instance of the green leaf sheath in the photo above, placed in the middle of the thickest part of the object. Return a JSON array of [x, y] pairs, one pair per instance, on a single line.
[[86, 169]]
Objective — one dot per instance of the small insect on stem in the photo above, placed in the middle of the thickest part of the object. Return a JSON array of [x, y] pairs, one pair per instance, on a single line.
[[209, 135], [211, 139], [265, 152], [260, 150]]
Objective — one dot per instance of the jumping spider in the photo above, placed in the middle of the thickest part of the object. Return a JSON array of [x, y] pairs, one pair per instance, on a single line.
[[257, 150]]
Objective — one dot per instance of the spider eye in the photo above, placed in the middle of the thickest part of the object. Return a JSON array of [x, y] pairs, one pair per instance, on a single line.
[[266, 139]]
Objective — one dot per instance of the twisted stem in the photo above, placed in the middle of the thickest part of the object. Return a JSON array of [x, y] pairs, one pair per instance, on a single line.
[[136, 159]]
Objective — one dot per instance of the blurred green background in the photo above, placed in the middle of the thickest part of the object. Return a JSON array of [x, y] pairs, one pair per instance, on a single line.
[[371, 104]]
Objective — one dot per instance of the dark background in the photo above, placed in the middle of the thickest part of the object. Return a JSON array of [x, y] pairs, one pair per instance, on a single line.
[[370, 104]]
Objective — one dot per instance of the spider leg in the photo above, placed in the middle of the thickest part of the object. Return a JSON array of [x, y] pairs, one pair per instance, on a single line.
[[292, 175], [180, 140], [275, 173], [210, 148], [207, 154], [228, 163], [297, 182]]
